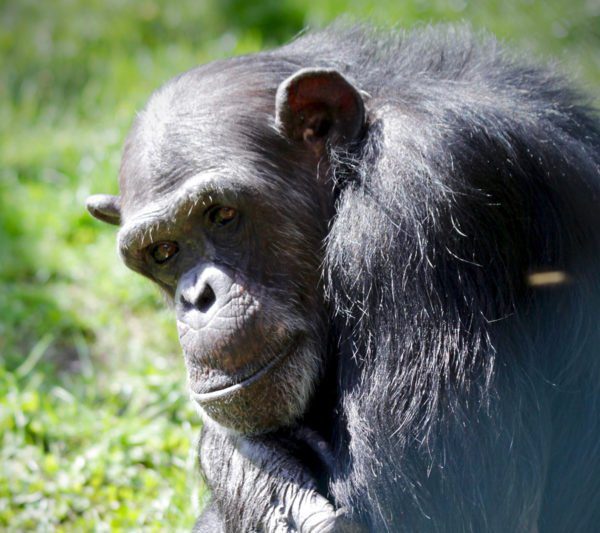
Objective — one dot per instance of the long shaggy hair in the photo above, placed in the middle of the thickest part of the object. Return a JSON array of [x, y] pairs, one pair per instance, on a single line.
[[469, 393], [461, 274]]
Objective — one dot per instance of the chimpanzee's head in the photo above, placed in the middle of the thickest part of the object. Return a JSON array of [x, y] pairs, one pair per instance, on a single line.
[[225, 203]]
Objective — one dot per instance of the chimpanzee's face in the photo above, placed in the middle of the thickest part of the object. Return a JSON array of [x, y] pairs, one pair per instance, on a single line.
[[244, 279], [229, 216]]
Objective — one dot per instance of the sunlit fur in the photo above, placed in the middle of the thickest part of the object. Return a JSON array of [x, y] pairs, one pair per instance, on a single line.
[[471, 400], [467, 398], [455, 394]]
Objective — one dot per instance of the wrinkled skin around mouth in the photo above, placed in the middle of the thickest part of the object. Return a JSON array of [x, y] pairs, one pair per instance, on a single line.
[[250, 365]]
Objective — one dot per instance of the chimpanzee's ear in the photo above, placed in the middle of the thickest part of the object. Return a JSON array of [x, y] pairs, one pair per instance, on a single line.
[[105, 207], [316, 105]]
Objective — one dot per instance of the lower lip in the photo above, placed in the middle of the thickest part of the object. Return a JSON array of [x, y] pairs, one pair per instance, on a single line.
[[206, 397]]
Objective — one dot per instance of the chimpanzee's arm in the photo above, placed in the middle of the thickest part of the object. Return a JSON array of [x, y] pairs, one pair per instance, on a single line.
[[258, 484]]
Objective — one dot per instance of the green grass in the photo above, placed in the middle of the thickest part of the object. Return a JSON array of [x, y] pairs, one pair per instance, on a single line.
[[96, 432]]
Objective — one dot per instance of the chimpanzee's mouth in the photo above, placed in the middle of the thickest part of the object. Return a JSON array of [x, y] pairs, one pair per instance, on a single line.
[[220, 393]]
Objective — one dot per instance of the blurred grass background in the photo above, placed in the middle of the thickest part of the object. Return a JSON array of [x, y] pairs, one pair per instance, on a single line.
[[96, 432]]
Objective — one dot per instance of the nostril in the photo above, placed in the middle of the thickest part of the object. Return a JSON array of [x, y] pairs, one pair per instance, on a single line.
[[184, 302], [206, 299]]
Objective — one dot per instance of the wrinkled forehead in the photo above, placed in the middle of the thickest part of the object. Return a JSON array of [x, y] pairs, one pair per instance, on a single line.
[[200, 190], [202, 123]]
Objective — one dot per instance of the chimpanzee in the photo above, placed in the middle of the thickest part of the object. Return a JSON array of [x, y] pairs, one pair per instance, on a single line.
[[383, 251]]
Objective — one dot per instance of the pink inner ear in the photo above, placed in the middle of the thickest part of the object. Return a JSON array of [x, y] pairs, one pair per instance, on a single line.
[[310, 91], [317, 103]]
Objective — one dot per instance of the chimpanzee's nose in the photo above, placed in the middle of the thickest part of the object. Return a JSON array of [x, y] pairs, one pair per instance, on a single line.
[[206, 299], [202, 296], [201, 292]]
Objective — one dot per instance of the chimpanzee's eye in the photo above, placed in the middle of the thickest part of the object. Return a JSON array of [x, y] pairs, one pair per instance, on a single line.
[[221, 215], [161, 252]]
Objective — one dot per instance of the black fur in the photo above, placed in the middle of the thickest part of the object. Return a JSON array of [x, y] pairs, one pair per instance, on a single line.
[[467, 400], [459, 387]]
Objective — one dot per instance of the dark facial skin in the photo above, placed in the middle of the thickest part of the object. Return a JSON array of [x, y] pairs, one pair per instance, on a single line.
[[216, 250], [225, 205]]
